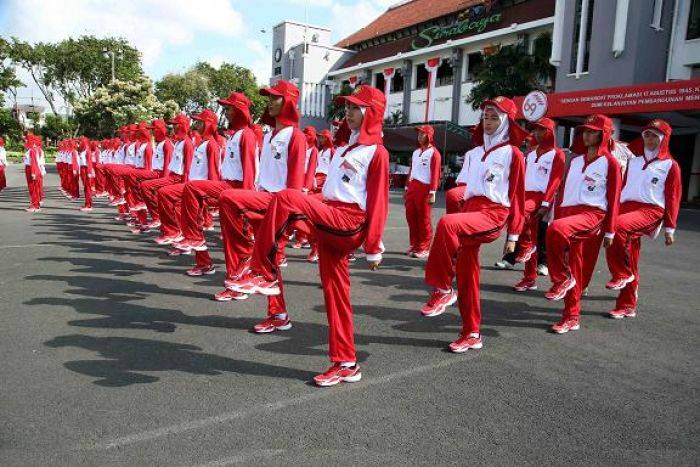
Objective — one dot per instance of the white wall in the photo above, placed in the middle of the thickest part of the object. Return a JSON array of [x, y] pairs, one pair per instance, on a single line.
[[684, 53]]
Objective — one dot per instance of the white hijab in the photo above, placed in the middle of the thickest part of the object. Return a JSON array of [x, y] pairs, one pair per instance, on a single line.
[[649, 154], [502, 133]]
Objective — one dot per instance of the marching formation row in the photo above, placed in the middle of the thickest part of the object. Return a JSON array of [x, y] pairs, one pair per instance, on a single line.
[[330, 190]]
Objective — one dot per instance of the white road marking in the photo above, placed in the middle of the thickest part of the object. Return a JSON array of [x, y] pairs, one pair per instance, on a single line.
[[265, 408], [244, 458]]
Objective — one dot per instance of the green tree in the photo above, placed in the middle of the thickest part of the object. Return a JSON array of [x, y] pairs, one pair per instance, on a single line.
[[203, 84], [8, 79], [57, 127], [74, 68], [9, 127], [512, 71], [336, 111], [119, 103]]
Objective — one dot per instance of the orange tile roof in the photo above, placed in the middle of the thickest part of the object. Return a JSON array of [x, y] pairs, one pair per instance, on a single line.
[[407, 14]]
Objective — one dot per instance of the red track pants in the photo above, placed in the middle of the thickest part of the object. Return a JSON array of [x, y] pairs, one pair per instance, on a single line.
[[240, 213], [573, 226], [196, 196], [635, 219], [149, 192], [454, 199], [339, 230], [87, 186], [34, 187], [528, 237], [3, 180], [461, 235], [418, 216]]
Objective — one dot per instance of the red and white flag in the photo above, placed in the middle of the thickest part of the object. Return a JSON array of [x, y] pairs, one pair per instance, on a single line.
[[388, 74], [432, 66]]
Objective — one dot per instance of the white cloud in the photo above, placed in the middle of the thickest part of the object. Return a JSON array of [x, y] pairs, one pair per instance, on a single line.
[[149, 25], [261, 63], [348, 18]]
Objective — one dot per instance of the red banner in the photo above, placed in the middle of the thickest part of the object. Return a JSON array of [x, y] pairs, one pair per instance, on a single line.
[[642, 98]]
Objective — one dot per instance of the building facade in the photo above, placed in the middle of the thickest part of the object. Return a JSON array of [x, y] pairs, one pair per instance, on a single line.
[[630, 59]]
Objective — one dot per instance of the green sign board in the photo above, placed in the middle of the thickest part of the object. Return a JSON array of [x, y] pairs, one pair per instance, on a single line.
[[434, 33]]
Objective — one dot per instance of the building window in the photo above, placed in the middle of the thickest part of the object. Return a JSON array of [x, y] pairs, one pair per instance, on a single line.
[[582, 36], [278, 70], [397, 81], [421, 76], [379, 81], [693, 21], [474, 62], [445, 74]]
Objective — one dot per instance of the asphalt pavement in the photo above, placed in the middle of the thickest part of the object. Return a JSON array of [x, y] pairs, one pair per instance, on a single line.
[[111, 355]]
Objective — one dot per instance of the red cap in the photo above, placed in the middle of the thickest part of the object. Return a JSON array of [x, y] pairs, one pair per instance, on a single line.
[[240, 102], [428, 131], [365, 96], [503, 104], [597, 122], [207, 116], [281, 89]]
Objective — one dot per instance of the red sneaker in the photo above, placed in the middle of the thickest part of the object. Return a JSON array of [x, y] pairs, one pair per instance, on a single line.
[[283, 263], [187, 245], [201, 271], [33, 209], [176, 252], [251, 284], [525, 256], [209, 228], [227, 295], [626, 313], [438, 302], [558, 291], [338, 374], [421, 254], [86, 209], [297, 245], [466, 342], [169, 239], [352, 258], [566, 325], [619, 284], [525, 285], [272, 324]]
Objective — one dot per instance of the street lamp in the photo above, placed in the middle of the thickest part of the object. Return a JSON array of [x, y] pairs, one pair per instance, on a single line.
[[106, 53]]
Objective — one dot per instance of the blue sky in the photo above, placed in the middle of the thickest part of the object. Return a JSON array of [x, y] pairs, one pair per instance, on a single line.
[[174, 34]]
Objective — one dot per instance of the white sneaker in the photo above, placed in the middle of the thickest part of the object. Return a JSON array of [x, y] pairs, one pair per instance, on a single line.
[[504, 265], [542, 270]]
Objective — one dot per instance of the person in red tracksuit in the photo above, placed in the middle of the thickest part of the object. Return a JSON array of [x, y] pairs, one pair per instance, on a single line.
[[493, 199], [587, 203], [155, 165], [421, 186], [282, 160], [128, 162], [141, 164], [87, 171], [351, 211], [177, 171], [325, 155], [238, 170], [300, 229], [544, 170], [98, 181], [32, 172], [204, 165], [650, 199]]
